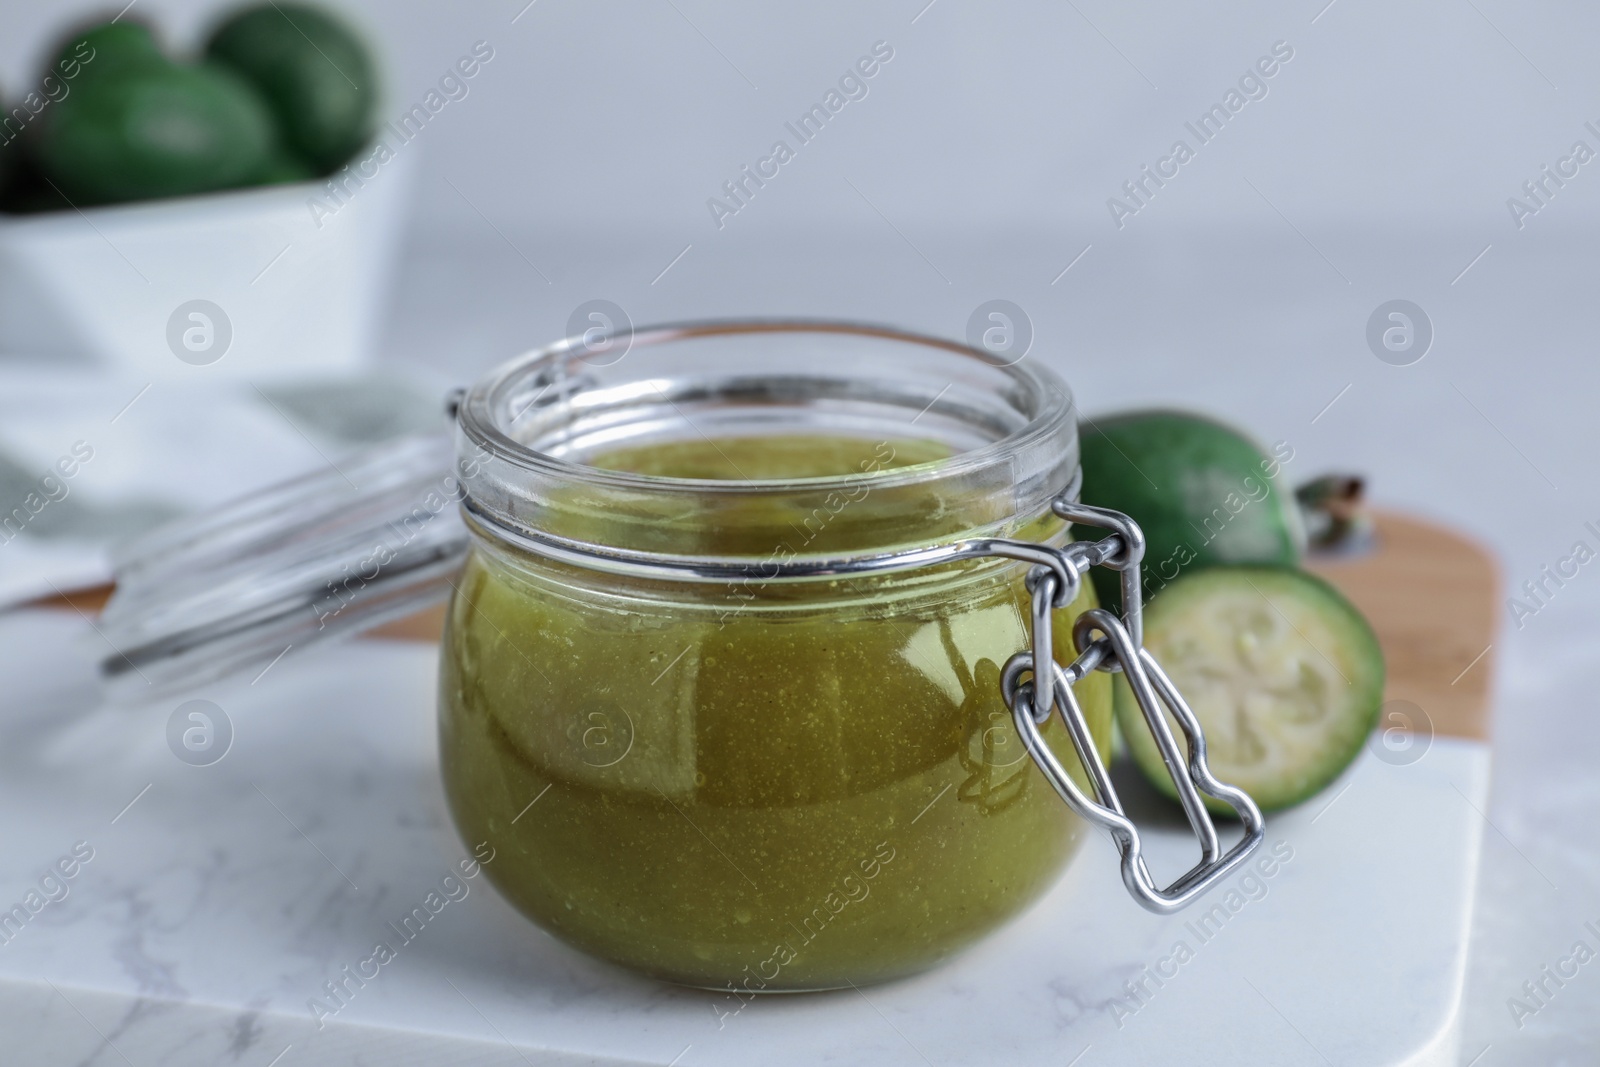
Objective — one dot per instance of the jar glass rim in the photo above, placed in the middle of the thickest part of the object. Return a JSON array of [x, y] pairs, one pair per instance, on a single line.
[[484, 422]]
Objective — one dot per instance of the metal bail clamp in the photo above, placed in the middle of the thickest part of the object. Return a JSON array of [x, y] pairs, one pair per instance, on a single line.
[[1107, 643]]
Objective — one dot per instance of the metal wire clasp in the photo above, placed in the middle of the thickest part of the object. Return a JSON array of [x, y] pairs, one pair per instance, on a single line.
[[1107, 643]]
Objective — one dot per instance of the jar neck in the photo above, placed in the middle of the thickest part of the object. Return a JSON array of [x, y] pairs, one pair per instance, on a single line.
[[899, 442]]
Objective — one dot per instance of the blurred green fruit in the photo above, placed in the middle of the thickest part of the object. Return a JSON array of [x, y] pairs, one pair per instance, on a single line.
[[144, 131], [312, 70], [104, 50]]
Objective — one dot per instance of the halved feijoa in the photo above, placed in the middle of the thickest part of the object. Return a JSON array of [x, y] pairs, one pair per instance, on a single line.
[[1285, 676]]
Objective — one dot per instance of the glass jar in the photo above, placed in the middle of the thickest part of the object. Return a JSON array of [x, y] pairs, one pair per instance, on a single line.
[[781, 784], [732, 676]]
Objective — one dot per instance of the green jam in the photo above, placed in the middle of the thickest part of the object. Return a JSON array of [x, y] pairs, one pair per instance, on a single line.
[[789, 786]]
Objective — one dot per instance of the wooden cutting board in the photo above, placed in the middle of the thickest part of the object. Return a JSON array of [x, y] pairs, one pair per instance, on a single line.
[[1433, 598]]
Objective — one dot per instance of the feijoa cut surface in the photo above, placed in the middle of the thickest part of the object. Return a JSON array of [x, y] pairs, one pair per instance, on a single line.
[[1284, 674]]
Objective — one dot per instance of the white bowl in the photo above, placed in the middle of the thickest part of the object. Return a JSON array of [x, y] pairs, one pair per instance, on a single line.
[[299, 273]]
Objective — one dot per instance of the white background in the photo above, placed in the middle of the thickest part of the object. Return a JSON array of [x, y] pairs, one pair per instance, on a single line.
[[979, 165]]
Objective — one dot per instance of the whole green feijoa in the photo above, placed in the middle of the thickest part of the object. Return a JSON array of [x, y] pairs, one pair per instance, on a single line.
[[167, 130], [103, 50], [1203, 493], [313, 71]]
